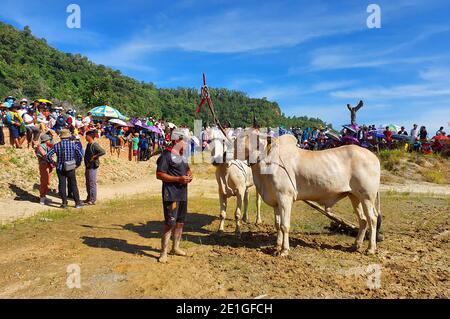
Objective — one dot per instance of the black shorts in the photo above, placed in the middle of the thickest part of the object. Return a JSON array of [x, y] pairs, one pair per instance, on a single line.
[[174, 212]]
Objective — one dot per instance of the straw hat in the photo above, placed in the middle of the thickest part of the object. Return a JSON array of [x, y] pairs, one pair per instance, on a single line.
[[45, 138], [65, 134]]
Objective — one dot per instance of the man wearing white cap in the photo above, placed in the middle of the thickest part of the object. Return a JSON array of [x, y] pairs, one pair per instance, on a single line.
[[175, 173]]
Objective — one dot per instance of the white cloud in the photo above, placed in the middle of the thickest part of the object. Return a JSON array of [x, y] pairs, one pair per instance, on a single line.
[[348, 60], [235, 31], [393, 92], [438, 74], [295, 91]]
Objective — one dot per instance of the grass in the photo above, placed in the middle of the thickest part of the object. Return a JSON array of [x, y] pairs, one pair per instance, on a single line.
[[390, 159], [434, 176], [50, 215]]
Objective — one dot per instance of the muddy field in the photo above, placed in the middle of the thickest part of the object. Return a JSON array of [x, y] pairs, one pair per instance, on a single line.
[[116, 245]]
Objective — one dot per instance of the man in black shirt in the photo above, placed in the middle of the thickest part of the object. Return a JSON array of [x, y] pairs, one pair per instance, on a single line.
[[402, 131], [91, 161], [175, 173]]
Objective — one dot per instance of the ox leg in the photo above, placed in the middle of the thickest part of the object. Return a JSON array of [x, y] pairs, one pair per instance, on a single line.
[[223, 211], [357, 207], [245, 217], [371, 216], [380, 236], [237, 214], [285, 210], [278, 228], [258, 209]]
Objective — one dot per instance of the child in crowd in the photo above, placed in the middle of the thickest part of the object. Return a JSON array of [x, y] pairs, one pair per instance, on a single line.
[[135, 142], [143, 148]]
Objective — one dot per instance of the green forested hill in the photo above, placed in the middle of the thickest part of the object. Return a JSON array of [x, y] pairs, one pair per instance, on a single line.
[[30, 68]]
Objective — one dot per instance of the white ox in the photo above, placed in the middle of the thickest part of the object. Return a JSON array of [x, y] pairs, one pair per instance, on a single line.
[[234, 178], [283, 173]]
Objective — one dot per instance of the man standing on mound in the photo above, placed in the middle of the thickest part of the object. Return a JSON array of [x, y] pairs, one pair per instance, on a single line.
[[173, 170]]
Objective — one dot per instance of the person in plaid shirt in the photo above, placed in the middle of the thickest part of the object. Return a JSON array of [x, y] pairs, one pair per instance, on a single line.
[[65, 151]]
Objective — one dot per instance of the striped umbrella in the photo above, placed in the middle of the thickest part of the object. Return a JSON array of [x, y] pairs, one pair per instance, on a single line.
[[107, 111]]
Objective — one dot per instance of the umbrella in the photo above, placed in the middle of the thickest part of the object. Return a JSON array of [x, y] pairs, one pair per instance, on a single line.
[[119, 122], [401, 137], [44, 101], [440, 138], [107, 111], [333, 136], [154, 129], [352, 127], [377, 134], [391, 127], [136, 122], [171, 125]]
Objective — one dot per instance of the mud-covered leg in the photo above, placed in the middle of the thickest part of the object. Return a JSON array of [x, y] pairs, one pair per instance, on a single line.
[[165, 238]]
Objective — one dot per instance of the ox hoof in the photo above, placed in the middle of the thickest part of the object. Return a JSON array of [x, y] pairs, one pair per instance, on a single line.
[[370, 252], [246, 220], [355, 248], [284, 253], [380, 237], [259, 222]]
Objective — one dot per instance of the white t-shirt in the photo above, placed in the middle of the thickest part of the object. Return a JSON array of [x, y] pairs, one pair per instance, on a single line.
[[28, 119], [22, 112], [87, 120], [414, 134]]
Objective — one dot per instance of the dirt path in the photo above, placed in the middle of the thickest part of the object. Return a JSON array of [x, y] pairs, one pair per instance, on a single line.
[[417, 188], [11, 209]]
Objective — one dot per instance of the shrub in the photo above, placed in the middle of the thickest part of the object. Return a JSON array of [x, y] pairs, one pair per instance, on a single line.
[[390, 159], [434, 176]]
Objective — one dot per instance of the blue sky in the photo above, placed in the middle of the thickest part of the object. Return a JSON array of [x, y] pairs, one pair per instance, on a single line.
[[312, 57]]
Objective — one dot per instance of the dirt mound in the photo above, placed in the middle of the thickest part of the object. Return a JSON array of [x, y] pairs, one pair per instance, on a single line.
[[402, 167], [19, 176]]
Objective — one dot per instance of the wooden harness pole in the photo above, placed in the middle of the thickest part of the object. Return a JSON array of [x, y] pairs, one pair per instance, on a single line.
[[341, 221], [206, 97]]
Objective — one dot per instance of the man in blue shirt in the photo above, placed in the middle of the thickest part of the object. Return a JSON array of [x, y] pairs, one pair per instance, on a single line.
[[66, 151]]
